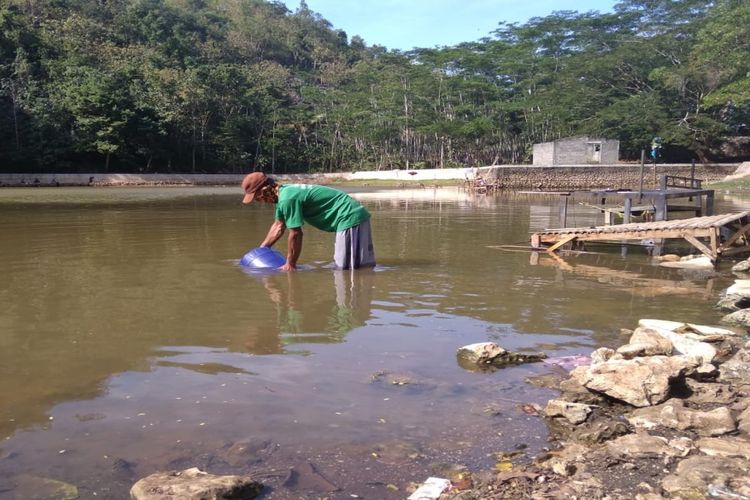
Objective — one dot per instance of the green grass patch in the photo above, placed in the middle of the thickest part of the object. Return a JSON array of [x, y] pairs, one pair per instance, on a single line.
[[735, 185]]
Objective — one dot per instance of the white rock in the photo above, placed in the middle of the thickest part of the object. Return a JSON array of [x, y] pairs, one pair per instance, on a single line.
[[575, 413], [702, 262], [681, 343], [194, 484], [740, 287], [481, 352], [431, 489]]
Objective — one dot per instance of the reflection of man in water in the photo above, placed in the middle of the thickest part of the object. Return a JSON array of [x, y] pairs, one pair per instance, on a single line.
[[307, 313], [322, 207]]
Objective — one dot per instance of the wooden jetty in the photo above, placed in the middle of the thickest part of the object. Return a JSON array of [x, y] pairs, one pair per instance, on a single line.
[[671, 187], [723, 234]]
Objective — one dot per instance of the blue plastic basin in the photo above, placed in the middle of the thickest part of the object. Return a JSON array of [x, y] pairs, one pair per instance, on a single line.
[[263, 258]]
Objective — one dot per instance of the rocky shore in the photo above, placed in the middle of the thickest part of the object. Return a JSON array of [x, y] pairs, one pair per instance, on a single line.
[[666, 415]]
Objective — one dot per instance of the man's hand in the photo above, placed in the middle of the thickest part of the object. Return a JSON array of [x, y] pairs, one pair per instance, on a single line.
[[288, 267]]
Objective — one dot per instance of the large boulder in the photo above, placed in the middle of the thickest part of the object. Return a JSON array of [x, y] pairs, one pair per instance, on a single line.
[[676, 333], [639, 382], [710, 393], [643, 445], [194, 484], [692, 330], [646, 342], [674, 415], [737, 368], [703, 476], [726, 446], [739, 318], [744, 421], [733, 302]]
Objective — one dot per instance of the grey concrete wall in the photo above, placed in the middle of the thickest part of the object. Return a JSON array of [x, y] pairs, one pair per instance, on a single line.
[[544, 154], [570, 151], [610, 152]]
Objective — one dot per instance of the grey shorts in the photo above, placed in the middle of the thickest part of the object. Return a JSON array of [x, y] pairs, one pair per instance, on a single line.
[[354, 247]]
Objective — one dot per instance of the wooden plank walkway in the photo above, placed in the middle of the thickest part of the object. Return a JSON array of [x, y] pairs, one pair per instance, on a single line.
[[734, 229]]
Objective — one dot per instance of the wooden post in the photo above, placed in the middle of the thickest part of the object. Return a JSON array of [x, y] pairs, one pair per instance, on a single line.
[[640, 185], [536, 241], [563, 210], [692, 173], [627, 209], [661, 208]]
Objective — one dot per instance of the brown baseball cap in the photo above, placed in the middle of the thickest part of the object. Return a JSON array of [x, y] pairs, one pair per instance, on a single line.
[[251, 184]]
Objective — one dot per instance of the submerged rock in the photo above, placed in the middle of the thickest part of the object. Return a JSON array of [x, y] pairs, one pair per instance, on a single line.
[[742, 266], [30, 486], [305, 477], [247, 451], [690, 262], [486, 355], [194, 484]]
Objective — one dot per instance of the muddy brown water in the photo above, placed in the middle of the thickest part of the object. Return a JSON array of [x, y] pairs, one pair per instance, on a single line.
[[132, 342]]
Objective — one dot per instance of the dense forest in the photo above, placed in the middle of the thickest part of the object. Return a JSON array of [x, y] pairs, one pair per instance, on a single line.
[[235, 85]]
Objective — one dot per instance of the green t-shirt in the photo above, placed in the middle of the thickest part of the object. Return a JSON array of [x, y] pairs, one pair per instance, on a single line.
[[322, 207]]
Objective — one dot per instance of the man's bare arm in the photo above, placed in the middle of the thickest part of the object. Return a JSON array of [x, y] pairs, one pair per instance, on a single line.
[[274, 233], [294, 249]]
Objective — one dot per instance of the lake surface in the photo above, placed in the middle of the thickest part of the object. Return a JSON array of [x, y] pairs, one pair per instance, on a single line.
[[132, 342]]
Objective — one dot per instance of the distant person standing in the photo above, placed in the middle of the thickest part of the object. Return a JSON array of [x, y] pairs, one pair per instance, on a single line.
[[656, 148], [322, 207]]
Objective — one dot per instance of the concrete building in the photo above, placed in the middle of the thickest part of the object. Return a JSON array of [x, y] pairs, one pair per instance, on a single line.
[[577, 151]]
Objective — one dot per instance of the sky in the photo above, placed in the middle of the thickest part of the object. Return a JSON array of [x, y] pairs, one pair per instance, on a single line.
[[405, 24]]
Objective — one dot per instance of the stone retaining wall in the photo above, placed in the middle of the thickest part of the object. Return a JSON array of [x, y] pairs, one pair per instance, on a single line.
[[513, 177], [599, 177]]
